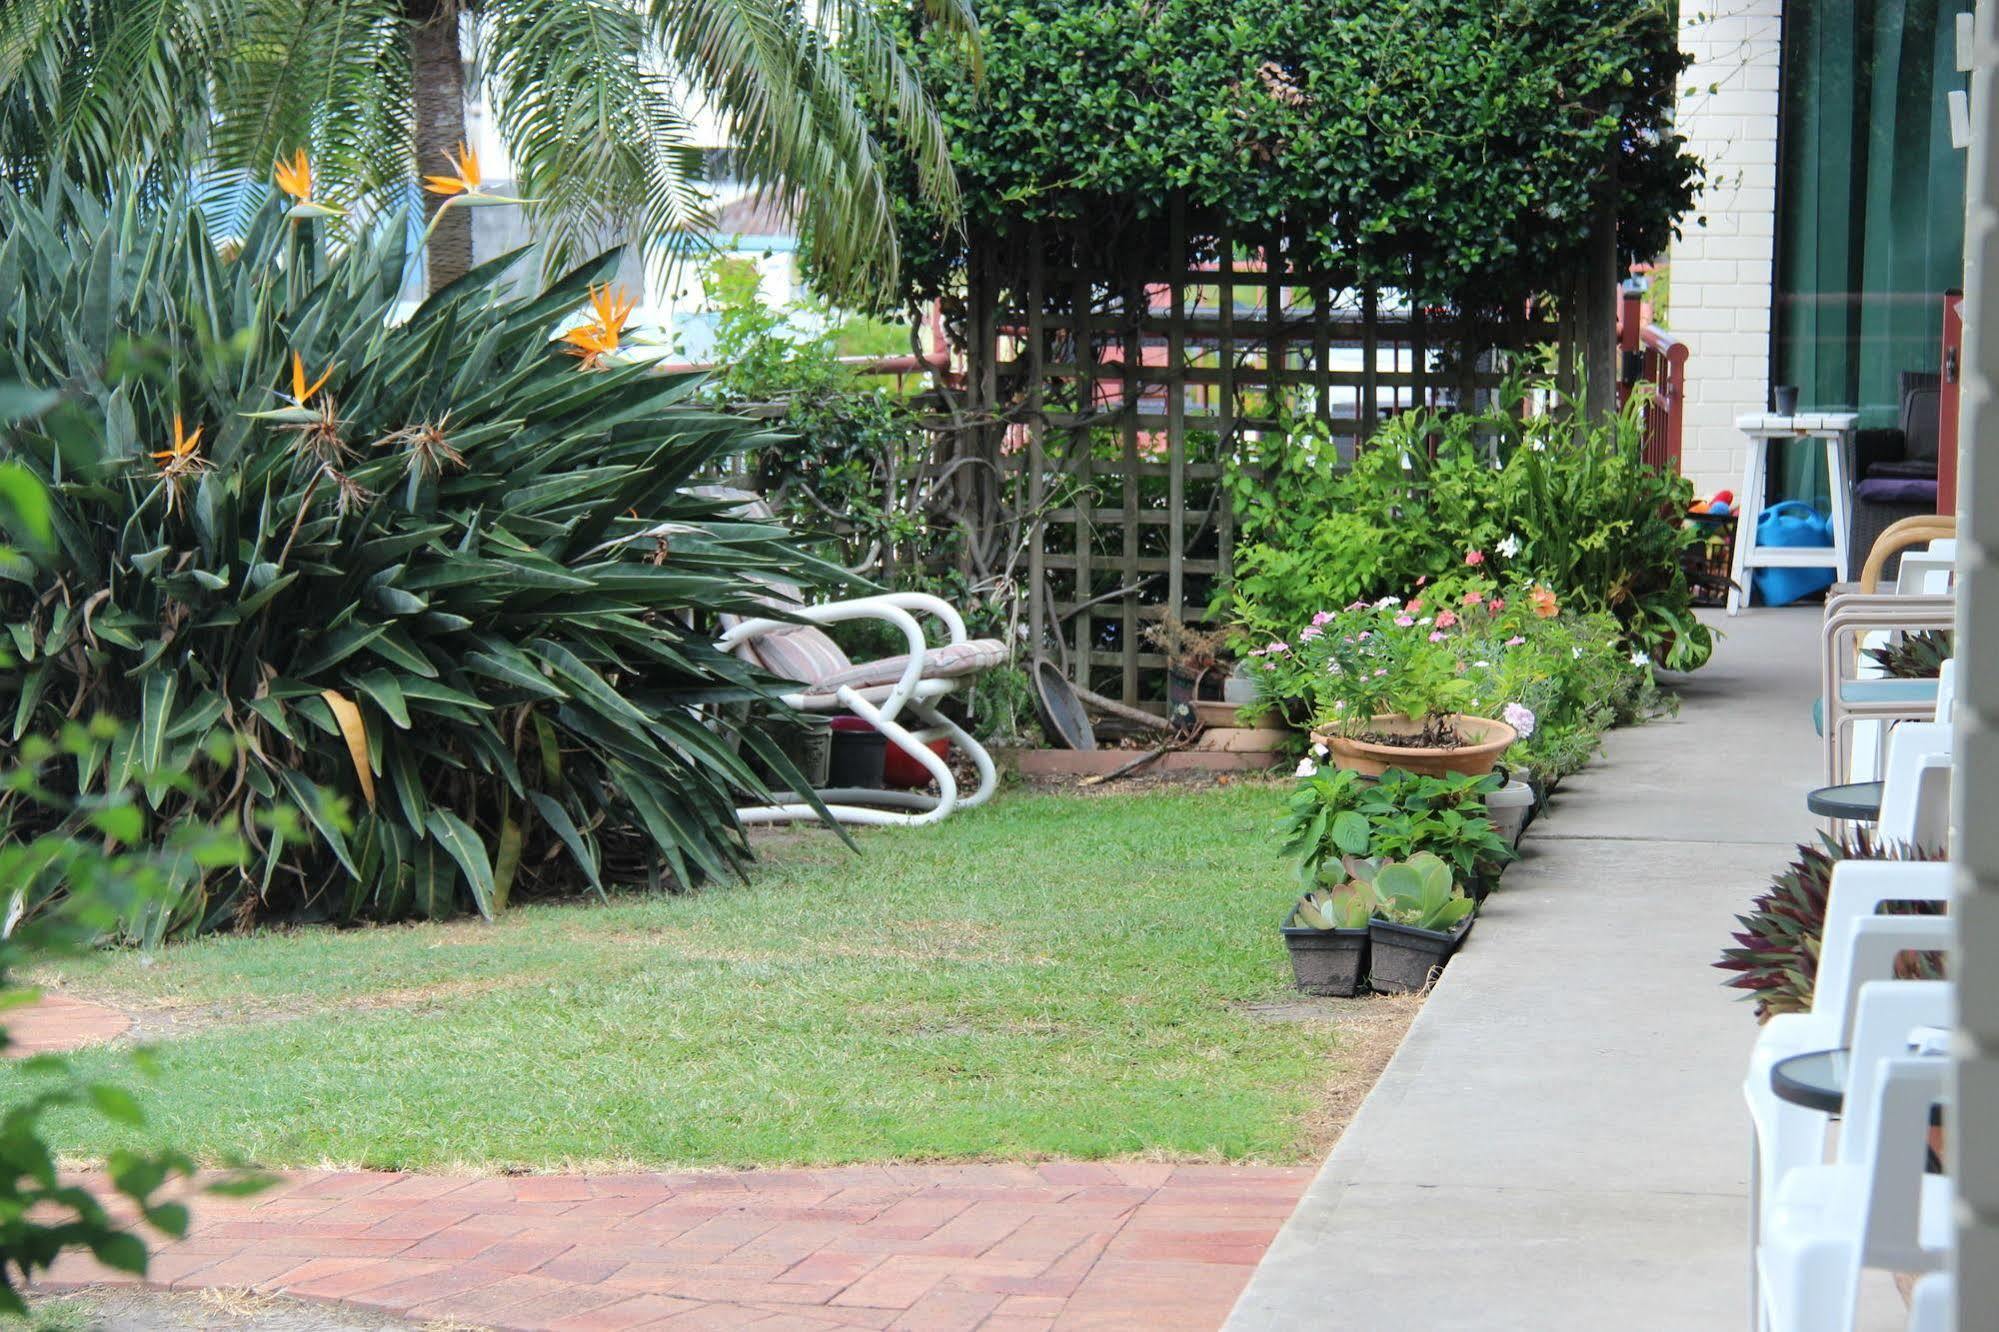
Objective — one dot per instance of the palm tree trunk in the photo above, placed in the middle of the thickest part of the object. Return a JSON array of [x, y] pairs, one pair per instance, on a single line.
[[437, 84]]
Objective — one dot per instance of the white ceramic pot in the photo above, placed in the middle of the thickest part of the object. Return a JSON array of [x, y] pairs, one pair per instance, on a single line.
[[1508, 808]]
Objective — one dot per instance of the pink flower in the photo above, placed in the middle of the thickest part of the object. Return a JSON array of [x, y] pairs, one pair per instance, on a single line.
[[1424, 579], [1404, 621], [1309, 632], [1321, 618], [1515, 641], [1473, 598], [1358, 605], [1496, 605], [1383, 671], [1474, 557], [1365, 634], [1445, 619], [1415, 604], [1436, 635]]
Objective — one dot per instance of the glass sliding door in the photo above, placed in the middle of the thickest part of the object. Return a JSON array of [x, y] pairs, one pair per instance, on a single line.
[[1870, 225]]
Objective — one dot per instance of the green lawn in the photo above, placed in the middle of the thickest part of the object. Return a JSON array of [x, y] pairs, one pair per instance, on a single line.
[[1052, 975]]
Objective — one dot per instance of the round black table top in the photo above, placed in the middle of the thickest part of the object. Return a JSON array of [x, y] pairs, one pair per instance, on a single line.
[[1857, 802], [1816, 1081]]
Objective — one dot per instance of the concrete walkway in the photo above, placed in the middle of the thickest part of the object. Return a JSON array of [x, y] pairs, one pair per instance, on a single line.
[[1560, 1142]]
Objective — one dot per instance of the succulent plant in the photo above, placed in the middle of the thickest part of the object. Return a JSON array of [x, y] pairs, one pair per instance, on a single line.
[[1420, 891], [1916, 655], [1778, 956], [1348, 906]]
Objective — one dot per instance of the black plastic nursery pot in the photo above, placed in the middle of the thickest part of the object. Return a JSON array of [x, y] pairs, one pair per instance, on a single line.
[[1325, 962], [858, 753], [1406, 958]]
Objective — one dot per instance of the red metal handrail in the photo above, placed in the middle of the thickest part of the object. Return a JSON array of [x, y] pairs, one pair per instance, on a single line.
[[1662, 367]]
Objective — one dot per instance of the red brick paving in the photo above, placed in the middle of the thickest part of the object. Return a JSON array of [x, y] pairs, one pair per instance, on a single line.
[[1000, 1248], [58, 1022]]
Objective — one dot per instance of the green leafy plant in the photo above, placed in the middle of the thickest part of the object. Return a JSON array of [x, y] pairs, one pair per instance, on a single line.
[[438, 584], [1333, 814], [1546, 504], [110, 873], [1348, 906], [1776, 957], [1916, 655], [1420, 892]]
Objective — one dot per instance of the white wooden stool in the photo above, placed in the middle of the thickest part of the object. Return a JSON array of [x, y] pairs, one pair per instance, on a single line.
[[1835, 429]]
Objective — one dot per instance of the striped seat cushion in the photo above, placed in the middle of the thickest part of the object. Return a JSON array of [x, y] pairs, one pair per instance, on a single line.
[[804, 654]]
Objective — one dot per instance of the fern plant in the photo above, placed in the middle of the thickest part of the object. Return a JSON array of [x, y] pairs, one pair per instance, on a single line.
[[438, 584]]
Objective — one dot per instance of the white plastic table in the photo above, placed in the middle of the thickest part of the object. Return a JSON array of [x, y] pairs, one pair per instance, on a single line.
[[1835, 430]]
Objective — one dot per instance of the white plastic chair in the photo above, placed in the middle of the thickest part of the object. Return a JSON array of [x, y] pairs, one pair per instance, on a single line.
[[1915, 791], [1873, 1207], [1858, 946], [1929, 1306]]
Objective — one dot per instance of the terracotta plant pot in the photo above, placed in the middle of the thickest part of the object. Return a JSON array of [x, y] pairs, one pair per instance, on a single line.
[[1222, 716], [1485, 741]]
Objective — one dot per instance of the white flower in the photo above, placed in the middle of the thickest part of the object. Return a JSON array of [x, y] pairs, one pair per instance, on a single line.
[[1508, 545], [1577, 652], [1386, 602], [1306, 768], [1319, 749], [1640, 660], [1540, 446], [1481, 663]]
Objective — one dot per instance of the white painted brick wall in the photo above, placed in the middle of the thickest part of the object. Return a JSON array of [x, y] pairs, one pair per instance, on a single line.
[[1721, 268]]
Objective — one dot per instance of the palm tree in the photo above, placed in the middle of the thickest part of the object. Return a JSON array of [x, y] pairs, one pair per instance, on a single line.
[[592, 97]]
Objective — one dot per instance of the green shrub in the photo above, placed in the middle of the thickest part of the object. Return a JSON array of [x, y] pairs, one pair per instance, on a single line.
[[1547, 499], [1334, 813], [1453, 149], [453, 602]]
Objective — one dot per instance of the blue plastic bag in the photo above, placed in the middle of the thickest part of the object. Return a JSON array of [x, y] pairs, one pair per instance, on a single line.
[[1792, 523]]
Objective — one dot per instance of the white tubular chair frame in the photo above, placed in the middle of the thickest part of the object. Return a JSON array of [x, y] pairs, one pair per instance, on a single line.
[[882, 707], [1847, 618]]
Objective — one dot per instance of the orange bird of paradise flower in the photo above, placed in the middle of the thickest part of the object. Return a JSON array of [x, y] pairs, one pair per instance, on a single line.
[[183, 448], [301, 391], [179, 460], [295, 178], [465, 182], [599, 338]]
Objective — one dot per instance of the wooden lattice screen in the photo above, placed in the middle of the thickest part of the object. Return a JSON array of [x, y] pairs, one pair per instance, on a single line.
[[1109, 401]]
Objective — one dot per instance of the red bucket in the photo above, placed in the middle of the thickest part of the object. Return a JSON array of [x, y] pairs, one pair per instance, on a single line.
[[901, 771]]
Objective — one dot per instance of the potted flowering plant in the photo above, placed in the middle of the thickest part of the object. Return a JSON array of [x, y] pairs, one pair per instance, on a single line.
[[1385, 687]]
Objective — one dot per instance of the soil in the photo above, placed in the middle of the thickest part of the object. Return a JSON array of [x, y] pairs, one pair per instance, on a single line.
[[1434, 735], [145, 1309]]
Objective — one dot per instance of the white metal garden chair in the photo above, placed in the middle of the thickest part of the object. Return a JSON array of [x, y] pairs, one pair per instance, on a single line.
[[884, 693]]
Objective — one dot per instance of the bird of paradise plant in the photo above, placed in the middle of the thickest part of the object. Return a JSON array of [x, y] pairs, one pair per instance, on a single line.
[[295, 178], [460, 599], [598, 338], [179, 461], [465, 186]]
